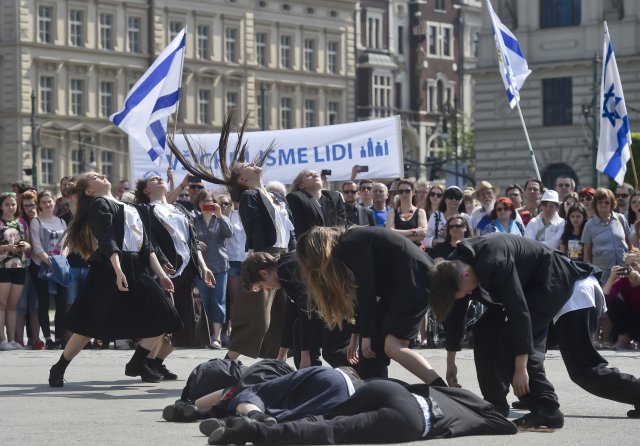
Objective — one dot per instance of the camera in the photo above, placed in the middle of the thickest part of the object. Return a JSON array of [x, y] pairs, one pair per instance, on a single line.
[[325, 172], [363, 168], [623, 272]]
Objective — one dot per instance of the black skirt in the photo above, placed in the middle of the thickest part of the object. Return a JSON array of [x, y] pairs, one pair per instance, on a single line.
[[103, 312]]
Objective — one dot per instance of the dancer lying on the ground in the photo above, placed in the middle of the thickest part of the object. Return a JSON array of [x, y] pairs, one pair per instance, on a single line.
[[526, 286], [377, 277], [380, 411]]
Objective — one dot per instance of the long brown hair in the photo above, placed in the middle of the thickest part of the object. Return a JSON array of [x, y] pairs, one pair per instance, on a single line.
[[78, 236], [330, 285]]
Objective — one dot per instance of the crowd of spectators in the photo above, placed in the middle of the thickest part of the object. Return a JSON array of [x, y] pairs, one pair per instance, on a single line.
[[600, 226]]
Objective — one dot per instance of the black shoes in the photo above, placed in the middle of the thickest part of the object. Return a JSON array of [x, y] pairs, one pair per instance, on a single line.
[[520, 405], [239, 430], [553, 419], [634, 413], [167, 374], [56, 376], [180, 413], [262, 417], [144, 372]]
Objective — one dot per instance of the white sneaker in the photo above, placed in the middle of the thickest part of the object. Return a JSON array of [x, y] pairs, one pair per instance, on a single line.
[[17, 345], [5, 346]]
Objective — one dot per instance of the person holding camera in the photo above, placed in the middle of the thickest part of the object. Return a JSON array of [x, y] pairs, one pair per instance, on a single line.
[[622, 290]]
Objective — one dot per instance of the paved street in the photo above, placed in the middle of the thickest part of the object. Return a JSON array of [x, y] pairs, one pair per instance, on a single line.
[[100, 405]]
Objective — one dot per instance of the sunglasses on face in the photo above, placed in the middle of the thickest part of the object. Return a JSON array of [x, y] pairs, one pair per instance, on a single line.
[[456, 226], [586, 198], [435, 194], [350, 192], [196, 186], [366, 188], [404, 191], [622, 195], [503, 209]]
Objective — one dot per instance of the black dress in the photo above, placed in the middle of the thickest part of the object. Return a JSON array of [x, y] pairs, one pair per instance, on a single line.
[[389, 266], [101, 311]]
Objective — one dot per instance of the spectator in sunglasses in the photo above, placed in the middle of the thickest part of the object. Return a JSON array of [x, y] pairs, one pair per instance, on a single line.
[[365, 197], [191, 185], [435, 197], [449, 206], [623, 193], [356, 213], [503, 218], [407, 219], [586, 199], [457, 229]]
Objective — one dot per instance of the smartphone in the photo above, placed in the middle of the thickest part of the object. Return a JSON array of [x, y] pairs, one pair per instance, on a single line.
[[21, 243], [363, 168], [209, 207], [325, 172], [194, 179], [623, 272]]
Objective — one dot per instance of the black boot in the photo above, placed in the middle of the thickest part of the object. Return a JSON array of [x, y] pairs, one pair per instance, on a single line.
[[185, 413], [157, 366], [634, 413], [137, 367], [262, 417], [241, 431], [56, 373], [552, 419]]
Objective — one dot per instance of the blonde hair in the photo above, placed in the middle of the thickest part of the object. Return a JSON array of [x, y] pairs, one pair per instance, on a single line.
[[330, 285]]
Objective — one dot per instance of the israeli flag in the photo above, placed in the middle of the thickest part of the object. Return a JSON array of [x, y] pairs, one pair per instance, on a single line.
[[614, 145], [153, 99], [513, 66]]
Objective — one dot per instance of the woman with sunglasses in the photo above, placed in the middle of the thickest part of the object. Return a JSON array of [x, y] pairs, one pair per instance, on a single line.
[[503, 218], [457, 230], [435, 197], [586, 199], [171, 233], [407, 219], [212, 230], [436, 228]]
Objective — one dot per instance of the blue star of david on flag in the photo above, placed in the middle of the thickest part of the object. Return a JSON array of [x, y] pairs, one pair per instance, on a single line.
[[614, 145]]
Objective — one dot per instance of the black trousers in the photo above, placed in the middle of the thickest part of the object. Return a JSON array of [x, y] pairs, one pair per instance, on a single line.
[[624, 319], [60, 299], [379, 412], [585, 365], [495, 362]]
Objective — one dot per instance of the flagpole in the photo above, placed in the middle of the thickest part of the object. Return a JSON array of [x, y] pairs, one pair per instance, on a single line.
[[175, 114], [526, 134], [633, 169]]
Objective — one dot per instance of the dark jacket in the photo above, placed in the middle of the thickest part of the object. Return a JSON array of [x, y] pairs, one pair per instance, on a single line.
[[358, 215], [258, 218], [307, 213], [529, 280], [106, 218], [161, 239]]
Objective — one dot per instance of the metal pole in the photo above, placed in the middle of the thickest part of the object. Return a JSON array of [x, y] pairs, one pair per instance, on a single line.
[[454, 135], [595, 109], [34, 148], [263, 116], [526, 134]]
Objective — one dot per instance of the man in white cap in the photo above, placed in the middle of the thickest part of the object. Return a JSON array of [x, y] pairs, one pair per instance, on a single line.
[[548, 226]]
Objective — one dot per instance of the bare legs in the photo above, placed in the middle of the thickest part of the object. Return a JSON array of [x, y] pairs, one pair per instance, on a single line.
[[398, 350]]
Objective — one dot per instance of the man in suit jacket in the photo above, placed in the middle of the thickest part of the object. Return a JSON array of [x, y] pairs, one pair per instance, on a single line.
[[526, 286], [356, 214], [312, 206]]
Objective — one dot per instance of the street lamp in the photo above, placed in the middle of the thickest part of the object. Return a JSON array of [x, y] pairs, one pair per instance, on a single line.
[[34, 147]]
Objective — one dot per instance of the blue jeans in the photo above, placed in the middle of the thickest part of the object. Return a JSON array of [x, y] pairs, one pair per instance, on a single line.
[[78, 277], [28, 298], [215, 299]]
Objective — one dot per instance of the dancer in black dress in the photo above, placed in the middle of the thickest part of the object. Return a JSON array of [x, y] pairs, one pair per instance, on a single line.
[[377, 277], [120, 299]]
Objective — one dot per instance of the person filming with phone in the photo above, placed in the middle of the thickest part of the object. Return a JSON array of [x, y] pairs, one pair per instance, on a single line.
[[622, 290]]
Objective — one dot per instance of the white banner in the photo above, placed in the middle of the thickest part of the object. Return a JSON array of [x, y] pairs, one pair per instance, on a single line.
[[376, 144]]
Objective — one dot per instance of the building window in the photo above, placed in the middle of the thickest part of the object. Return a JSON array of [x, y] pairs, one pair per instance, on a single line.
[[333, 112], [439, 6], [286, 121], [45, 24], [261, 49], [133, 34], [432, 105], [309, 54], [203, 41], [433, 40], [77, 97], [175, 27], [106, 31], [556, 13], [204, 106], [374, 32], [106, 99], [230, 36], [285, 51], [232, 102], [400, 39], [309, 112], [76, 162], [381, 96], [332, 56], [446, 42], [106, 164], [262, 110], [76, 26], [46, 165], [557, 100], [46, 94]]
